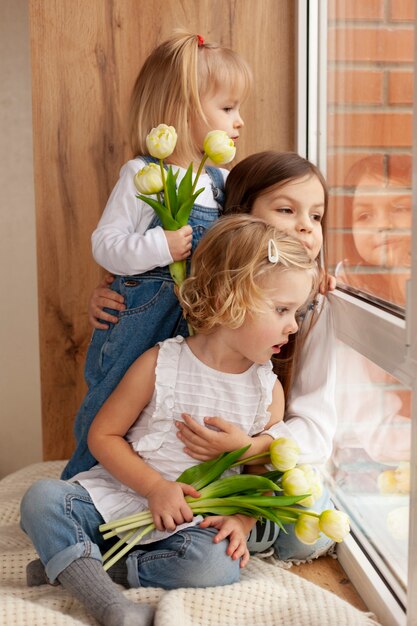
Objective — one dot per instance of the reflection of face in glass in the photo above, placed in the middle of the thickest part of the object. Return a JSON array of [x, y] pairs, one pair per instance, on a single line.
[[381, 223]]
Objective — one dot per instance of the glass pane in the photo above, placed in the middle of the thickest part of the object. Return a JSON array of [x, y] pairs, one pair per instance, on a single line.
[[370, 99], [370, 470]]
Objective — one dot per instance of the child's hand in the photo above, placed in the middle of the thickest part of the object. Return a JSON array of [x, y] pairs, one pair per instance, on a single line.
[[167, 503], [103, 297], [234, 527], [179, 242], [203, 443], [328, 283]]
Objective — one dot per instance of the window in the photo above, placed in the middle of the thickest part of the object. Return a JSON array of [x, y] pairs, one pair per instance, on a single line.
[[370, 469], [356, 110], [369, 138]]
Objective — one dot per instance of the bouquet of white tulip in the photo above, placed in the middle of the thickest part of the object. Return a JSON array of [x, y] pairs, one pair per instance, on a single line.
[[175, 207], [244, 494]]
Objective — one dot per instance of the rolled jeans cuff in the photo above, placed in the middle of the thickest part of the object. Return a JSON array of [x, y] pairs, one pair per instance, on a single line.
[[60, 561], [132, 572]]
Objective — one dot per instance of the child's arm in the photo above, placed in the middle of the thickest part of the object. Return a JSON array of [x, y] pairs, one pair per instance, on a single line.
[[237, 528], [123, 242], [107, 444], [102, 297], [204, 443]]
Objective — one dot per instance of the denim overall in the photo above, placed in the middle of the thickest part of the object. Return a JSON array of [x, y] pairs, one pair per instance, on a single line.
[[152, 314]]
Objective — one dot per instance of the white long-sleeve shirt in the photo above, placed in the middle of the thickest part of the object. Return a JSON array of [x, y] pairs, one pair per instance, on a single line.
[[311, 417], [122, 242]]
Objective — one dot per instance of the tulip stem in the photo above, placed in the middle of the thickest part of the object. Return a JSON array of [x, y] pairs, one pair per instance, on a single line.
[[298, 511], [200, 169], [117, 545], [261, 455], [166, 196], [135, 540]]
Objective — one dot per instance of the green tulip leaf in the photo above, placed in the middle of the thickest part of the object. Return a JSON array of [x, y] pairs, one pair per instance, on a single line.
[[217, 510], [237, 484], [236, 501], [185, 186], [183, 214], [185, 208], [194, 473], [223, 463], [274, 502], [269, 514], [167, 221], [171, 185], [274, 475]]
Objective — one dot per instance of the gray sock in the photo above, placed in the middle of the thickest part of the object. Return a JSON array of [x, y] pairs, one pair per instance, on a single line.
[[36, 575], [87, 581]]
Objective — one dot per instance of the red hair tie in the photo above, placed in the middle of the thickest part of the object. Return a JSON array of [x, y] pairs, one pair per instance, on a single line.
[[200, 41]]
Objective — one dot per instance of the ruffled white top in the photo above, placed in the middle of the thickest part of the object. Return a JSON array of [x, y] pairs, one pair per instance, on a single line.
[[184, 384]]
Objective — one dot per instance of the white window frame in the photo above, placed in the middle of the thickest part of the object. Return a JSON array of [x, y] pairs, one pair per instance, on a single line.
[[382, 337]]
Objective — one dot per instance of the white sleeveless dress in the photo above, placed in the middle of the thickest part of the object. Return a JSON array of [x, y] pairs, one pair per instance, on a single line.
[[183, 385]]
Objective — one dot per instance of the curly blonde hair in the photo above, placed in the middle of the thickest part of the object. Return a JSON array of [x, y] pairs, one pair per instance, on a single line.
[[228, 269], [171, 83]]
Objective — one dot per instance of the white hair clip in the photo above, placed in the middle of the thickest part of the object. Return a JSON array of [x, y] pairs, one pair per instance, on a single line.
[[273, 254]]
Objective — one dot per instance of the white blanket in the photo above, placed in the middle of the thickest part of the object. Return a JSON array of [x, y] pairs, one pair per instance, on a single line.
[[266, 596]]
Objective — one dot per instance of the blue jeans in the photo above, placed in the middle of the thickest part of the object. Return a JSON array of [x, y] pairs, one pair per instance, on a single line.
[[62, 522], [286, 546]]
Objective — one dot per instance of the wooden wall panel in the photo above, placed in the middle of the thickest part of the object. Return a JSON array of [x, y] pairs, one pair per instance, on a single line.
[[85, 57]]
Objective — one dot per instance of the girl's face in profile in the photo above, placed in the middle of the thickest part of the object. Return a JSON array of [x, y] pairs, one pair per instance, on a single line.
[[381, 223], [264, 333], [296, 208], [222, 110]]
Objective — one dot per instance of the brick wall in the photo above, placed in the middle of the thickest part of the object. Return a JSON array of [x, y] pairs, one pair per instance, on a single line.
[[370, 93], [370, 96]]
